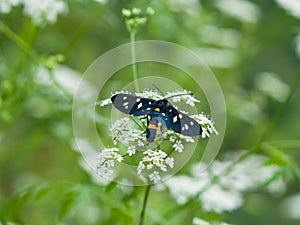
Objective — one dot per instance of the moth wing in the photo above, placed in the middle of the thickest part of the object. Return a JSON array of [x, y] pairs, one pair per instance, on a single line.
[[133, 105], [181, 123]]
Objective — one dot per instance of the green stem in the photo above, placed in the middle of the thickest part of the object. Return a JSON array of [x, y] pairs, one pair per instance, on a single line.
[[59, 86], [81, 31], [133, 60], [293, 86], [21, 43], [30, 51], [142, 215], [138, 122]]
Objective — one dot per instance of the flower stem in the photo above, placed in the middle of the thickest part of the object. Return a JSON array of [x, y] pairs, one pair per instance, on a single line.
[[280, 110], [142, 215], [133, 60], [21, 43]]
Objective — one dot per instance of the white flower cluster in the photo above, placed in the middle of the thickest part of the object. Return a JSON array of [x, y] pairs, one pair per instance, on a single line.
[[220, 187], [106, 161], [291, 6], [128, 135], [206, 124], [124, 131], [198, 221], [41, 12], [147, 93], [7, 5], [157, 160], [183, 96], [290, 207]]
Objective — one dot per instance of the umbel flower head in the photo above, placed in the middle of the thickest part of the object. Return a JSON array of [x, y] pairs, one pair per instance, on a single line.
[[151, 158], [220, 187], [41, 12], [135, 18]]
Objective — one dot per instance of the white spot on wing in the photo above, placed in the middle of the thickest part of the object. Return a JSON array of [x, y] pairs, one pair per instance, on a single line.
[[174, 119], [180, 116], [140, 105], [186, 126], [125, 103], [163, 114], [125, 97], [192, 123], [138, 99]]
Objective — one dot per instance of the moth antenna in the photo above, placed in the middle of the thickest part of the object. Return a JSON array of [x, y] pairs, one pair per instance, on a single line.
[[158, 89]]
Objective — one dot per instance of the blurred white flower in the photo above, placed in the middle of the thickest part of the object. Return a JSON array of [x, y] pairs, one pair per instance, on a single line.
[[44, 12], [228, 38], [218, 200], [220, 187], [248, 111], [101, 1], [277, 187], [272, 85], [7, 5], [215, 57], [242, 10], [65, 78], [291, 6], [41, 12], [198, 221], [245, 176], [244, 107], [290, 207], [183, 188], [297, 42], [191, 7]]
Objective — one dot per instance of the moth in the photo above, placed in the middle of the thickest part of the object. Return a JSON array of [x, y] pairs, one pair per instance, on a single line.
[[157, 111]]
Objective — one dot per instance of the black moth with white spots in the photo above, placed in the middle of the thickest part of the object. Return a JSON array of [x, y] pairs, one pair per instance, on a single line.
[[156, 111]]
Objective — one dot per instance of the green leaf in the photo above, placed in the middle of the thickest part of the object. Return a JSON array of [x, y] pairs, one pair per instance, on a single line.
[[66, 204]]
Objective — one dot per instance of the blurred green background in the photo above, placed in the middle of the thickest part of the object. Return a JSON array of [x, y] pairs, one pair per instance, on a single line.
[[253, 48]]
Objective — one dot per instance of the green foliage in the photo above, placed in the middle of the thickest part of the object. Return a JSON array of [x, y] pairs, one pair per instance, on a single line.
[[43, 181]]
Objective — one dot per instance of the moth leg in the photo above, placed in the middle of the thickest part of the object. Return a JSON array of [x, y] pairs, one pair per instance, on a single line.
[[148, 120], [143, 117], [161, 129]]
